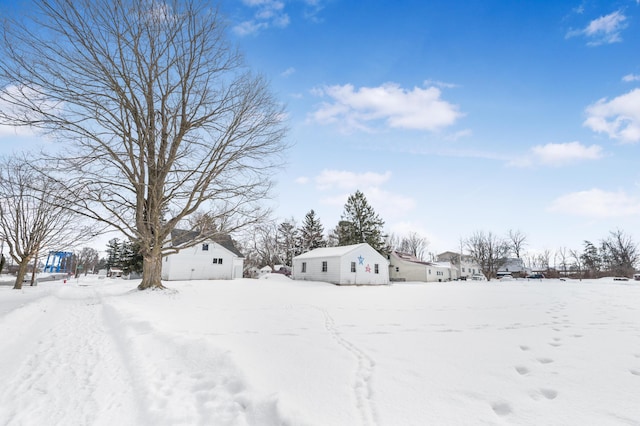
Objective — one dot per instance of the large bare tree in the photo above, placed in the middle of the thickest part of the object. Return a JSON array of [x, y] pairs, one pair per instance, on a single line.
[[487, 250], [31, 219], [160, 117], [517, 240]]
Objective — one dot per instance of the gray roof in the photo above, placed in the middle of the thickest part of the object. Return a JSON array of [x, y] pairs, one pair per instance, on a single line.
[[182, 236], [329, 251]]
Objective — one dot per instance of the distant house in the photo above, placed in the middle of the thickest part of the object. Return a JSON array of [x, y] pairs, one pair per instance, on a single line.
[[357, 264], [513, 266], [213, 259], [406, 267], [465, 267]]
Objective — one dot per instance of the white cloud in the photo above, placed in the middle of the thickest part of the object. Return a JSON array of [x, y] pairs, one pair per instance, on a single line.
[[288, 72], [559, 154], [442, 84], [329, 179], [302, 180], [268, 13], [596, 203], [619, 117], [354, 109], [458, 135], [631, 77], [604, 30]]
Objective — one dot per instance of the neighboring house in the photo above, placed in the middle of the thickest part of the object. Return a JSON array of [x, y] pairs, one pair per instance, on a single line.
[[213, 259], [406, 267], [513, 266], [357, 264], [266, 270], [464, 265]]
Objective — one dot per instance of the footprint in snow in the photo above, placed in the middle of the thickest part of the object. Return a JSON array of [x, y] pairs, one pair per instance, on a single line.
[[544, 360], [522, 370], [635, 372], [501, 408]]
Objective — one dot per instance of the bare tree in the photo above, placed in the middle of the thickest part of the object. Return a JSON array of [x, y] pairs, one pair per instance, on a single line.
[[577, 262], [543, 259], [88, 258], [489, 251], [621, 253], [414, 244], [31, 220], [260, 245], [517, 241], [563, 255], [160, 117]]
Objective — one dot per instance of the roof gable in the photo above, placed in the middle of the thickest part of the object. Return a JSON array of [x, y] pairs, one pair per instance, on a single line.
[[331, 251], [181, 236]]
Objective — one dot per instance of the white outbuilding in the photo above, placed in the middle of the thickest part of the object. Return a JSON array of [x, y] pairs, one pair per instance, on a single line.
[[357, 264], [213, 259]]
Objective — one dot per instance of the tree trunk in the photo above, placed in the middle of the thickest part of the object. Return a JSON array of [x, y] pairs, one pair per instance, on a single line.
[[22, 271], [151, 272]]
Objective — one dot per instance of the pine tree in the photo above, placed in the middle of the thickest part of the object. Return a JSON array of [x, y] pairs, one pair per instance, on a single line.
[[287, 242], [130, 257], [311, 233], [114, 249], [363, 225]]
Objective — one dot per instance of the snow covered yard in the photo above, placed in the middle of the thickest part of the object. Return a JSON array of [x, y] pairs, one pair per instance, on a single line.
[[275, 351]]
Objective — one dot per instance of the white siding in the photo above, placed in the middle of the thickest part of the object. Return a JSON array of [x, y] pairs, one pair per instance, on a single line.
[[194, 263], [339, 266], [408, 271]]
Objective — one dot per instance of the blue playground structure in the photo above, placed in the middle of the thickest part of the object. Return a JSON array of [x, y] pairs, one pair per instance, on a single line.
[[58, 261]]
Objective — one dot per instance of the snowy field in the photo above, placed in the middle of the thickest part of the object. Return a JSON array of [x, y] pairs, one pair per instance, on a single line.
[[280, 352]]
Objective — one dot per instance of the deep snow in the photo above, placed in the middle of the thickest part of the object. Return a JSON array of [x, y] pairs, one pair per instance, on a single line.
[[275, 351]]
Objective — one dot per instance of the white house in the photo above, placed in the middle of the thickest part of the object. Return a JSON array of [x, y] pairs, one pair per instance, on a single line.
[[465, 267], [357, 264], [513, 266], [406, 267], [213, 259]]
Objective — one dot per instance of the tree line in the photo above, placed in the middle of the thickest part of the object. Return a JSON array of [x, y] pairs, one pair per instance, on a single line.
[[272, 243], [614, 255]]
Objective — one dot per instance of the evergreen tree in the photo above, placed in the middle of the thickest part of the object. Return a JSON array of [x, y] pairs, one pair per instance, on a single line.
[[287, 242], [113, 253], [311, 233], [362, 224], [130, 258], [591, 259]]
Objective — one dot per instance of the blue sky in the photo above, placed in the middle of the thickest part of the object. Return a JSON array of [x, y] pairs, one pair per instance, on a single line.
[[454, 116], [457, 116]]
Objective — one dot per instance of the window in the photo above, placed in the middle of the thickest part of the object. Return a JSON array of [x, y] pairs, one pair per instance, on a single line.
[[220, 261], [462, 269], [353, 266], [429, 271], [217, 261], [375, 268], [304, 267], [324, 266], [205, 247], [397, 269]]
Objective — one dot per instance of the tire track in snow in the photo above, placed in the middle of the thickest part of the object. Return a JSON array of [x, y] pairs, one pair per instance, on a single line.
[[70, 372], [185, 381], [362, 387]]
